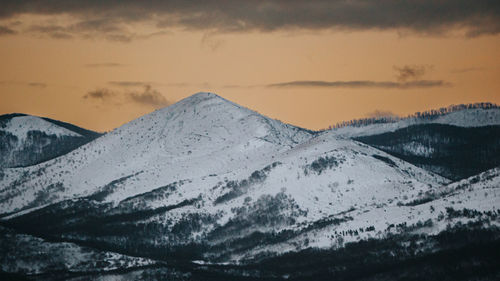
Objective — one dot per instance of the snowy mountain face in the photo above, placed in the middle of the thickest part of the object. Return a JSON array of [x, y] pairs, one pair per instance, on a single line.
[[208, 190], [28, 140]]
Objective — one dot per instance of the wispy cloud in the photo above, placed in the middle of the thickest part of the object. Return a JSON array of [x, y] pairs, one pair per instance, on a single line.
[[129, 83], [51, 30], [134, 84], [210, 41], [37, 84], [147, 96], [104, 64], [4, 30], [411, 72], [362, 84], [90, 27], [381, 113], [467, 69], [100, 94], [24, 83]]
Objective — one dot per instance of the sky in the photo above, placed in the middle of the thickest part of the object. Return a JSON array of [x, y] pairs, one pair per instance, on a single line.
[[100, 64]]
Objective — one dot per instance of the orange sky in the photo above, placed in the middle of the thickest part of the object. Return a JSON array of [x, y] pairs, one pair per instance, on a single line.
[[48, 76]]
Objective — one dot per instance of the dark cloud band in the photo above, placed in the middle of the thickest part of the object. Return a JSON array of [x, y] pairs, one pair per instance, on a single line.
[[429, 16]]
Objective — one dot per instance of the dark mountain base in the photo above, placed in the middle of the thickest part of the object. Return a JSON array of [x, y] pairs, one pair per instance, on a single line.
[[467, 252], [453, 152]]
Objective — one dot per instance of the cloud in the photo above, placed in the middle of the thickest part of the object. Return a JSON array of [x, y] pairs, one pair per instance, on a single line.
[[105, 64], [4, 30], [467, 69], [148, 96], [362, 84], [381, 113], [37, 84], [129, 83], [211, 42], [132, 84], [104, 28], [100, 94], [53, 31], [424, 16], [411, 72], [24, 83]]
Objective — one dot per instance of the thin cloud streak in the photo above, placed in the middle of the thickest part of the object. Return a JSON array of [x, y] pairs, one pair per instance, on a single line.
[[105, 64], [37, 84], [24, 83], [468, 69], [129, 83], [362, 84]]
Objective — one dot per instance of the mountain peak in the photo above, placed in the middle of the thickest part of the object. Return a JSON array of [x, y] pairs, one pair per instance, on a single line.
[[202, 97], [205, 94]]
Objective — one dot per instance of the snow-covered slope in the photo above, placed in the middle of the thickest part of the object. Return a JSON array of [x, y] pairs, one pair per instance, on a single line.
[[26, 140], [476, 117], [476, 199]]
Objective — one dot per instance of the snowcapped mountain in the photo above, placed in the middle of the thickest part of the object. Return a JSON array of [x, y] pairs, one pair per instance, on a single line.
[[27, 140], [215, 189], [200, 136]]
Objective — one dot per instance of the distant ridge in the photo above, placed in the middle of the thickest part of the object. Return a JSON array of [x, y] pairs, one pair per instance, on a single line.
[[428, 114]]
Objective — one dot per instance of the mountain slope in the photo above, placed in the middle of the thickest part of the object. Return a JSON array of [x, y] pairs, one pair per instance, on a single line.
[[27, 140]]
